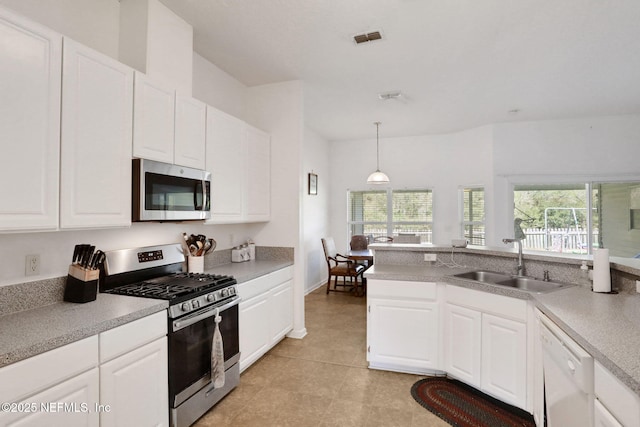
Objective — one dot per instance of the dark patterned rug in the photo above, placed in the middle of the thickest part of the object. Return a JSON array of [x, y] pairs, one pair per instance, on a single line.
[[463, 406]]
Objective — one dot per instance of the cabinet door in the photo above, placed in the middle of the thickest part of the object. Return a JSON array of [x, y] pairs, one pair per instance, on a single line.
[[97, 108], [602, 417], [71, 403], [258, 203], [255, 333], [153, 120], [226, 160], [404, 334], [504, 359], [135, 386], [281, 304], [462, 343], [190, 132], [30, 68]]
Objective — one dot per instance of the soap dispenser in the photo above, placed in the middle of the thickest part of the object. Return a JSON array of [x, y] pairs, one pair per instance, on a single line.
[[584, 274]]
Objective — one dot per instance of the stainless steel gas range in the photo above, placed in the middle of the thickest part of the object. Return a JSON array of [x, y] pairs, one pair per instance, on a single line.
[[194, 300]]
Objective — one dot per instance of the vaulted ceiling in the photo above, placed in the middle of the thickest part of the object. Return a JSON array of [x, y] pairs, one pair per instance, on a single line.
[[458, 63]]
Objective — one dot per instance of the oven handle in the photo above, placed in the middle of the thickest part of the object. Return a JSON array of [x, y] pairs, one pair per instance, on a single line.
[[211, 311]]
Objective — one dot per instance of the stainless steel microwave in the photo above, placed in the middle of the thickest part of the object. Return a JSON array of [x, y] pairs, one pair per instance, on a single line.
[[165, 192]]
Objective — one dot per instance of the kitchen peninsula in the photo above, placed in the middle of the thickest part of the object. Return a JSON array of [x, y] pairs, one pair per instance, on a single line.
[[606, 325]]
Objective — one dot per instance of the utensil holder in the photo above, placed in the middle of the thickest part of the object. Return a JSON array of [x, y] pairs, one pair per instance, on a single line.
[[82, 285], [196, 264]]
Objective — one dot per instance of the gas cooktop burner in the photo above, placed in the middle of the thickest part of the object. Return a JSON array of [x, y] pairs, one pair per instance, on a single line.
[[175, 286]]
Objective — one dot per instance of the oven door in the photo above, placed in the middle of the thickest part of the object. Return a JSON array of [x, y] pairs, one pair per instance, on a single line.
[[190, 342]]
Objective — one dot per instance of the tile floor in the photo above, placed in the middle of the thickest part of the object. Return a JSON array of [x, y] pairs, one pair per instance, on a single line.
[[323, 379]]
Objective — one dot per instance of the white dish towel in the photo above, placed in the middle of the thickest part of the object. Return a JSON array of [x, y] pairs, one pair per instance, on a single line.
[[217, 355]]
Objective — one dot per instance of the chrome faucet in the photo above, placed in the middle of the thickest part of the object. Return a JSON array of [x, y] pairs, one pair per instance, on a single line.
[[520, 260]]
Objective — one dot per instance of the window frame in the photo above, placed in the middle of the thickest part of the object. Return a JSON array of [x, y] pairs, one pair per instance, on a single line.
[[463, 223], [589, 181], [389, 200]]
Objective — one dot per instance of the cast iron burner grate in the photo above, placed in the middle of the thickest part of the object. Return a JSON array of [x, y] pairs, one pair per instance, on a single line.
[[175, 286]]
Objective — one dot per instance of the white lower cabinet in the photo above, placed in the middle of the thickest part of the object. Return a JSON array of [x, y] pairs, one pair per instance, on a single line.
[[133, 363], [602, 417], [134, 386], [615, 403], [265, 314], [462, 343], [485, 343], [116, 378], [402, 326], [71, 403], [254, 329], [504, 359]]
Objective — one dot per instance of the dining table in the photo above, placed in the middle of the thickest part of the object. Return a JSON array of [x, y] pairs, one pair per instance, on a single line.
[[361, 255]]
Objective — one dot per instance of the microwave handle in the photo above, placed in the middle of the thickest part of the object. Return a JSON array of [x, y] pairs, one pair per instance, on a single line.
[[204, 194], [203, 185]]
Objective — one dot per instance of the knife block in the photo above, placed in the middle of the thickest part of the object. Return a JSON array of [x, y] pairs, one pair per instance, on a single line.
[[82, 284]]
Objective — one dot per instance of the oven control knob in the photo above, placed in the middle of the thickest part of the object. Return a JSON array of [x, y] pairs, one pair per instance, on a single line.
[[195, 303], [185, 306], [224, 293], [211, 298]]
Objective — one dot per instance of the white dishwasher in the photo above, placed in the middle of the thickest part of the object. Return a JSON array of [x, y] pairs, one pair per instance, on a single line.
[[568, 378]]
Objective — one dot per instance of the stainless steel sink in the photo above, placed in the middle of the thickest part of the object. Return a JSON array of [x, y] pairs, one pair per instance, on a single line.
[[484, 276], [528, 284], [533, 285]]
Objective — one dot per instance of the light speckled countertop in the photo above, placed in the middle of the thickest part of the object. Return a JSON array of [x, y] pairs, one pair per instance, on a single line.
[[31, 332], [245, 271], [606, 325]]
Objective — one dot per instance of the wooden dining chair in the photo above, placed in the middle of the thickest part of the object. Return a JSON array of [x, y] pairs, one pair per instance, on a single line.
[[341, 266], [360, 242]]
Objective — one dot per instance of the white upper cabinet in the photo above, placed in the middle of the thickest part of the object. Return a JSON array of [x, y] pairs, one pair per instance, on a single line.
[[190, 132], [153, 120], [97, 116], [168, 127], [238, 157], [30, 68]]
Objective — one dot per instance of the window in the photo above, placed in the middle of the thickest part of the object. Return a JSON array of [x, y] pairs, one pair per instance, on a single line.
[[554, 217], [397, 213], [473, 215]]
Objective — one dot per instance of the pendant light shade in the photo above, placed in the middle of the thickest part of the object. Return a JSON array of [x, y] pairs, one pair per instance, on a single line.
[[378, 177]]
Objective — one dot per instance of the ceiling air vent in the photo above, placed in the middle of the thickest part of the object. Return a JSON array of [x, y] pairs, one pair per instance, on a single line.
[[368, 37]]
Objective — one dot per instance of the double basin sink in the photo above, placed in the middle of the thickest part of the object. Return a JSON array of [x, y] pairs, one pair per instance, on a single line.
[[528, 284]]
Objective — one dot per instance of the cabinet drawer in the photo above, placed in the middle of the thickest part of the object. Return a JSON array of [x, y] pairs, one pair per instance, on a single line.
[[623, 403], [401, 289], [264, 283], [512, 308], [127, 337], [36, 373]]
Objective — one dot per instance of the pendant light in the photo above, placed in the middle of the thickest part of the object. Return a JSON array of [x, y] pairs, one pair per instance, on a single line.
[[378, 177]]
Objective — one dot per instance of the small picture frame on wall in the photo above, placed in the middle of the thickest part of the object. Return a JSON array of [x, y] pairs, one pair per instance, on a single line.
[[313, 184]]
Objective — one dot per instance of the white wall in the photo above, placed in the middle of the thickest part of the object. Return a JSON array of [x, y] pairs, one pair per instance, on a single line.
[[94, 23], [215, 87], [577, 150], [315, 217], [496, 156], [278, 109], [443, 163]]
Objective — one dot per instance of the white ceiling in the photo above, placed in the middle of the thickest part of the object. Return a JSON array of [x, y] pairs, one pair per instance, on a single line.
[[459, 63]]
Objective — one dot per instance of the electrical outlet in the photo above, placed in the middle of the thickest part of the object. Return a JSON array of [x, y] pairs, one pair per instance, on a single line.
[[638, 286], [430, 257], [32, 265]]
